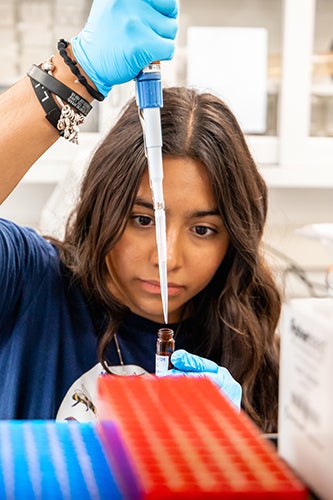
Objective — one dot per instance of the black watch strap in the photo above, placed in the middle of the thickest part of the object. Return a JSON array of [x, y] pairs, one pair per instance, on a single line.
[[60, 89], [48, 103]]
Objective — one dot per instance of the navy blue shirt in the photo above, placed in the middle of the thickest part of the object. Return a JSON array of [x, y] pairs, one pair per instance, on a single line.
[[48, 334]]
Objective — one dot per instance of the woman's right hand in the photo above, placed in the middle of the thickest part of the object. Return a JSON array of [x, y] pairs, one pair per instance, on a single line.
[[121, 37]]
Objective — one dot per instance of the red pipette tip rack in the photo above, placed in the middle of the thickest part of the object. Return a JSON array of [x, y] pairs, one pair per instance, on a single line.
[[183, 439]]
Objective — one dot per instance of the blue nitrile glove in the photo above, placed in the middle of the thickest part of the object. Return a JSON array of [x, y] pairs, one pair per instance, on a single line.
[[121, 37], [189, 364]]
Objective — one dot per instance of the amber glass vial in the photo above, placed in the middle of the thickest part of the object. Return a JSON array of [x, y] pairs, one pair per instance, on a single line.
[[165, 346]]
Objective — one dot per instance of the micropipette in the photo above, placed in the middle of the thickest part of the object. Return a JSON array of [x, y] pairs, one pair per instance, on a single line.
[[150, 100]]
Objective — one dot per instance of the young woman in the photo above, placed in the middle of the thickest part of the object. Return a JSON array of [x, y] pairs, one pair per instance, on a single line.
[[92, 302]]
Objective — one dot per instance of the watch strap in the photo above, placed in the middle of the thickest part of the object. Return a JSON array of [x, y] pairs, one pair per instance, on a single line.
[[60, 89]]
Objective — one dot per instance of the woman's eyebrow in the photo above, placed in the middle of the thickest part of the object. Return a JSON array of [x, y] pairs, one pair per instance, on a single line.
[[143, 203], [205, 213]]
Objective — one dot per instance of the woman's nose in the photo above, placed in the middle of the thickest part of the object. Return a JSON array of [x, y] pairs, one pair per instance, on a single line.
[[174, 250]]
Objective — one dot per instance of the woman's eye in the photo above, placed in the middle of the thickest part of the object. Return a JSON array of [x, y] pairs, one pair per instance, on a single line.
[[142, 220], [204, 231]]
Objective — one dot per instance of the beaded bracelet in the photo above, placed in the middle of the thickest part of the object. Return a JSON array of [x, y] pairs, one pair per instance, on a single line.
[[62, 46]]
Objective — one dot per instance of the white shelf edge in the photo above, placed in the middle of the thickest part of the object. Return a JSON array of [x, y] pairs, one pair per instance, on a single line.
[[280, 177]]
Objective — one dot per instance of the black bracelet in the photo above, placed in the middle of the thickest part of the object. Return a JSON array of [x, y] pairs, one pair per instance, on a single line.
[[48, 103], [62, 46], [60, 89]]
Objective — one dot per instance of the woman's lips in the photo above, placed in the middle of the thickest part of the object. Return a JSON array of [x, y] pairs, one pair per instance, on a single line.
[[154, 287]]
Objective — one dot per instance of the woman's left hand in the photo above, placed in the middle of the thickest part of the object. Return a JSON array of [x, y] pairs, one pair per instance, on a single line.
[[191, 365]]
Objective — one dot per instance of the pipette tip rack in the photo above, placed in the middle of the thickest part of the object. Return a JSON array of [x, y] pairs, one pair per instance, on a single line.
[[55, 461], [184, 439]]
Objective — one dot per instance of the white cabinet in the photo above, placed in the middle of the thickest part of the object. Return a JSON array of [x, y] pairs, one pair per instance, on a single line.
[[305, 159], [291, 153]]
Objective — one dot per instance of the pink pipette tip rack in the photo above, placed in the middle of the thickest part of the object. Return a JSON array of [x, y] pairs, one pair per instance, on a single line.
[[182, 439]]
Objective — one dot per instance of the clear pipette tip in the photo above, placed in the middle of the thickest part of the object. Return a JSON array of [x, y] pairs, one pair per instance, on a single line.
[[162, 260]]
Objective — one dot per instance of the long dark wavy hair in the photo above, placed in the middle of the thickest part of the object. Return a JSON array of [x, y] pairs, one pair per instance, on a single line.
[[237, 313]]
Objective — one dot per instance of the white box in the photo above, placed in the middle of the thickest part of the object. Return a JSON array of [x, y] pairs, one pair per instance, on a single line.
[[306, 393], [231, 63]]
